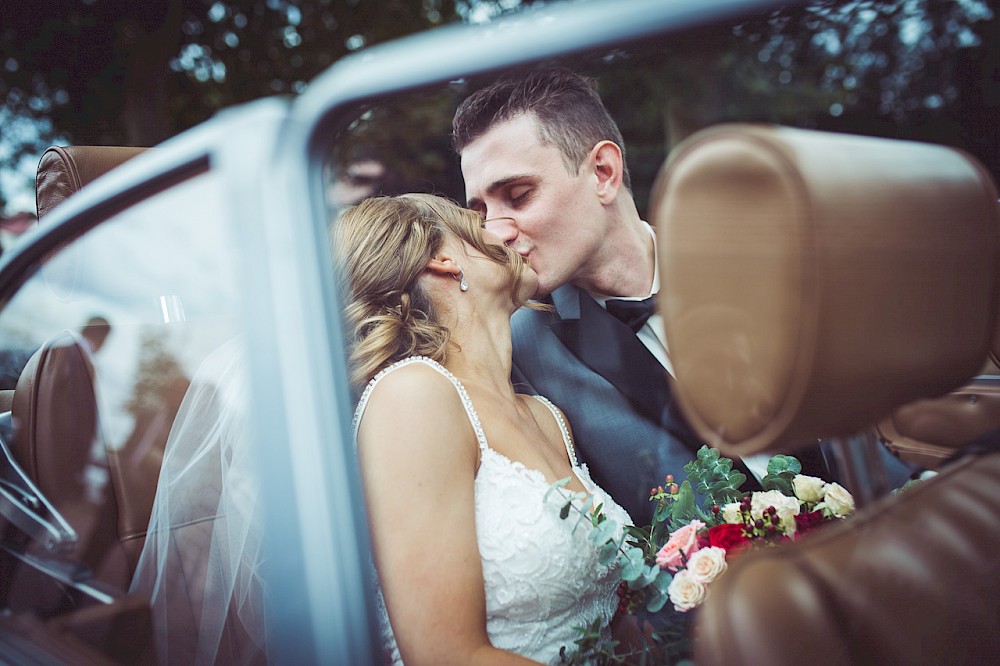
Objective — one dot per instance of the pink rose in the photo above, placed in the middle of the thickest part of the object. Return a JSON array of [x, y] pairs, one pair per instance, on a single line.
[[683, 543]]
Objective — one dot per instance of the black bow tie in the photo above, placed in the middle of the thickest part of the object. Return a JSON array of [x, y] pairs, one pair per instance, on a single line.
[[633, 314]]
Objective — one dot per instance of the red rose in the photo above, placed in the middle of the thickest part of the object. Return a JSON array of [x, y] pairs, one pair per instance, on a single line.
[[808, 521], [729, 537]]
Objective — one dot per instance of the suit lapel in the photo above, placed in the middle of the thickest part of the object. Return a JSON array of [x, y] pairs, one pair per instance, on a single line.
[[612, 350]]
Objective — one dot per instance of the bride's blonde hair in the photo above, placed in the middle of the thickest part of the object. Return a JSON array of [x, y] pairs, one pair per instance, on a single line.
[[382, 246]]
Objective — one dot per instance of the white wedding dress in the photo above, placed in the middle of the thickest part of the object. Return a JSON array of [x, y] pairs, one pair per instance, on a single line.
[[542, 577]]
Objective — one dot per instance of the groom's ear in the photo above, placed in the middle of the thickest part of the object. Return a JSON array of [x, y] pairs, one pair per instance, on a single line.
[[608, 166]]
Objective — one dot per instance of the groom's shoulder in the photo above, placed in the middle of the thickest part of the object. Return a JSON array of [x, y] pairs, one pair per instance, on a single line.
[[526, 323], [529, 319]]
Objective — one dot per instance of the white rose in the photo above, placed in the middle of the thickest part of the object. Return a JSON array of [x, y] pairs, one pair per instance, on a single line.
[[836, 501], [808, 488], [685, 592], [731, 514], [787, 508], [707, 564]]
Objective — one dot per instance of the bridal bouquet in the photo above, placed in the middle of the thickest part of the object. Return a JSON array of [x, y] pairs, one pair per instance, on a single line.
[[698, 528]]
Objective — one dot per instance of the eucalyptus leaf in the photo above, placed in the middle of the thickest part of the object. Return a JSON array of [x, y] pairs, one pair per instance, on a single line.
[[663, 580], [634, 565], [718, 488], [780, 482], [555, 486], [782, 463], [656, 602], [607, 553], [603, 532]]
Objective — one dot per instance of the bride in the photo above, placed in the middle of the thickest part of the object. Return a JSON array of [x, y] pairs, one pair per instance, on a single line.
[[474, 563]]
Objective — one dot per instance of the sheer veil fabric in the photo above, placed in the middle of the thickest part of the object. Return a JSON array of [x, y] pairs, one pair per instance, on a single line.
[[200, 565]]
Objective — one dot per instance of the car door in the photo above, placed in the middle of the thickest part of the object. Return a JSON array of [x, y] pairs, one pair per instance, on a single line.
[[114, 315]]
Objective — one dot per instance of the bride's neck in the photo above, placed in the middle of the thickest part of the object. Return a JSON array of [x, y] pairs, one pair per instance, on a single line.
[[482, 354]]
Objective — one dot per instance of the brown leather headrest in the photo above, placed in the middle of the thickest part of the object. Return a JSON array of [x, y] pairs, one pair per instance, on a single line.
[[54, 411], [63, 170], [813, 281]]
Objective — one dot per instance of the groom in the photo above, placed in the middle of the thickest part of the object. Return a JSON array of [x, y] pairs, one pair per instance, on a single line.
[[544, 163]]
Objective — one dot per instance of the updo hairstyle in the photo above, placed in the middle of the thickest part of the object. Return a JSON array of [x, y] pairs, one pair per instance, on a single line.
[[382, 246]]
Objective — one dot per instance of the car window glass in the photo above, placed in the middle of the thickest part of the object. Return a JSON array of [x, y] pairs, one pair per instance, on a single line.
[[117, 323]]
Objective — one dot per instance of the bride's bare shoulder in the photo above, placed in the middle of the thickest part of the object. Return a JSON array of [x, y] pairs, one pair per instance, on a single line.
[[414, 394], [414, 382]]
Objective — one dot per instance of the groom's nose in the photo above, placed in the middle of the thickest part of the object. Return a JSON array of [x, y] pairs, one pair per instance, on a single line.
[[504, 228]]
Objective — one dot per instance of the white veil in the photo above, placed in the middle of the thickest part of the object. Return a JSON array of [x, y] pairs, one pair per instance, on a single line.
[[200, 563]]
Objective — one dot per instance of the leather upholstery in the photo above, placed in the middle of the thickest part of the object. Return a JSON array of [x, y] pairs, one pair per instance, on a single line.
[[55, 412], [911, 580], [814, 282], [931, 430], [63, 170], [57, 437], [57, 440]]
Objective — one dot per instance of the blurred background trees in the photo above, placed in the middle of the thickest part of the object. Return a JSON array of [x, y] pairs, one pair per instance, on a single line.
[[107, 72], [926, 70]]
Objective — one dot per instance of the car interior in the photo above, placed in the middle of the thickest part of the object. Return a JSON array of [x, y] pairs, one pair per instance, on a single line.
[[818, 287], [813, 283], [820, 302], [81, 449], [79, 554]]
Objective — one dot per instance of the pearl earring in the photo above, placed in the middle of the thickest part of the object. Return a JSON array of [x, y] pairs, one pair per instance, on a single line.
[[463, 285]]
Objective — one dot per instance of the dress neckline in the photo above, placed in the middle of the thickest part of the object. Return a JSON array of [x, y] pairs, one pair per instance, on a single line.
[[470, 411]]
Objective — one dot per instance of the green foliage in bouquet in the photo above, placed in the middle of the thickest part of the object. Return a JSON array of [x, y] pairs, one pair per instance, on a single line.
[[698, 526]]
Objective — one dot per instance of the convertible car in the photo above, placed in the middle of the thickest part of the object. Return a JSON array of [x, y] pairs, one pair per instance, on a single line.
[[832, 273]]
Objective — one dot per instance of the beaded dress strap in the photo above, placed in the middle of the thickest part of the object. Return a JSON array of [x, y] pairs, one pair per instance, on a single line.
[[462, 393], [567, 440]]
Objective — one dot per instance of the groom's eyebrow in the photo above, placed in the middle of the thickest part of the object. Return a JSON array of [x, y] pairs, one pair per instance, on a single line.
[[497, 185]]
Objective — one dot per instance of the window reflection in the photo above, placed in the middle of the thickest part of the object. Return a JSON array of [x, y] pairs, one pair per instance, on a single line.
[[98, 348]]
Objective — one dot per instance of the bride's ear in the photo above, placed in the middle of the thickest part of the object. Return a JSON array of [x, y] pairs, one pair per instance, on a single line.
[[443, 265]]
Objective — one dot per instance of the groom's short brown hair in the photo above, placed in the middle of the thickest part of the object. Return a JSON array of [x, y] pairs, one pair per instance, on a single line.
[[570, 113]]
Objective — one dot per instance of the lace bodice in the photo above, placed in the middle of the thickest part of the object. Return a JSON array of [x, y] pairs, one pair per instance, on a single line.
[[542, 577]]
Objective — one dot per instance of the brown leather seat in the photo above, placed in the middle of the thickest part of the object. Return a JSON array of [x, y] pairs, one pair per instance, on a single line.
[[930, 431], [55, 415], [63, 170], [57, 440], [910, 580], [57, 436], [814, 283]]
